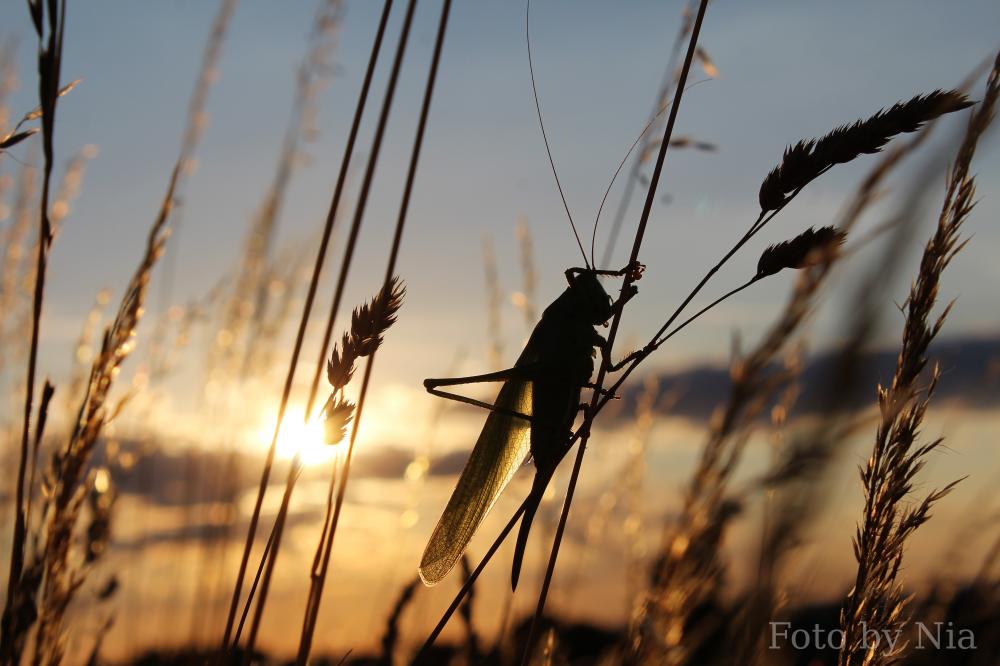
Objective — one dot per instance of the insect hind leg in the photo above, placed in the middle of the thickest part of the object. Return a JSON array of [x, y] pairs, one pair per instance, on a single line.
[[517, 372], [477, 403]]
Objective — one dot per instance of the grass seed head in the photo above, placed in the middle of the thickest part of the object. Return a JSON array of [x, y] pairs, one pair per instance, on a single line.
[[800, 251], [340, 367], [371, 320], [336, 417], [807, 159]]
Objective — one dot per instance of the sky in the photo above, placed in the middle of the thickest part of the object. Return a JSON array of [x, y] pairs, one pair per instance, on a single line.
[[786, 71]]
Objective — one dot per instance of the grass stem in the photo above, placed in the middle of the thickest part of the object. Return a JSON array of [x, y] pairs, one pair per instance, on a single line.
[[616, 321]]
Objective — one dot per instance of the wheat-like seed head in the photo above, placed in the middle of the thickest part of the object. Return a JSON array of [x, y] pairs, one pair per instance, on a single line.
[[877, 601], [340, 367], [369, 322], [807, 159], [337, 416], [804, 250]]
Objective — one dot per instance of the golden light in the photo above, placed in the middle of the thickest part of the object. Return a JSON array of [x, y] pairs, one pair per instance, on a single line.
[[102, 481], [298, 437]]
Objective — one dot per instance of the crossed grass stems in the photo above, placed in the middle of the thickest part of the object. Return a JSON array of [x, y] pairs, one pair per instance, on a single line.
[[381, 314], [228, 642]]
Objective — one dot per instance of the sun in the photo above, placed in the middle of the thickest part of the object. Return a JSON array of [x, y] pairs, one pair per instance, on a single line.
[[297, 436]]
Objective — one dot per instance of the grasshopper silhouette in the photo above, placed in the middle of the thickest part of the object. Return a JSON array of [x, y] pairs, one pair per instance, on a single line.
[[533, 414], [535, 409]]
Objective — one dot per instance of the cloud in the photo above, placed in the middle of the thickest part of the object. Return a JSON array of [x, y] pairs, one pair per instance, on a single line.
[[382, 463], [970, 379]]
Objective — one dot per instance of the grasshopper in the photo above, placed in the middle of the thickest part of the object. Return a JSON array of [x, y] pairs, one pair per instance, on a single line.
[[535, 409], [533, 414]]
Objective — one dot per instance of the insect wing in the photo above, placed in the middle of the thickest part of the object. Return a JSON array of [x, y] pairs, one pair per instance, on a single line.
[[502, 447]]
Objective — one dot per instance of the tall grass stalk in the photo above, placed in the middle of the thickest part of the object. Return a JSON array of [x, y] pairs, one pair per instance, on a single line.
[[8, 80], [648, 144], [318, 582], [300, 334], [615, 322], [43, 592], [252, 315], [688, 572], [245, 311], [49, 68], [799, 166], [690, 560], [294, 470], [798, 479], [877, 602], [390, 638], [624, 491], [494, 303], [17, 270], [529, 275]]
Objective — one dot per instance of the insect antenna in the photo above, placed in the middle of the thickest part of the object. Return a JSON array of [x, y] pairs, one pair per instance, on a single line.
[[545, 138], [593, 235], [621, 165]]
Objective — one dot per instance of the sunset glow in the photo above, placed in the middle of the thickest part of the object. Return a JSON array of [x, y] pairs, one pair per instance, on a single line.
[[498, 333], [297, 436]]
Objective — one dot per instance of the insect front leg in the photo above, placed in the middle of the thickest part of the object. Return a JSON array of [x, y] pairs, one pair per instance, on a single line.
[[634, 270], [625, 297]]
